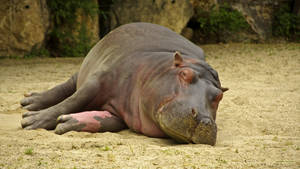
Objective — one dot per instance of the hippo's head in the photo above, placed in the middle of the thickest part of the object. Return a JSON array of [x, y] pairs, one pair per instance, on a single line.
[[188, 100]]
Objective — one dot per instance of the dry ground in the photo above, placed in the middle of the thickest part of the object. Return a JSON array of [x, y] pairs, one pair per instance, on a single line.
[[258, 119]]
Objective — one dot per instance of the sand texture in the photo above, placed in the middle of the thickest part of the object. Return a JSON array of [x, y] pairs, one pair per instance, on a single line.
[[258, 119]]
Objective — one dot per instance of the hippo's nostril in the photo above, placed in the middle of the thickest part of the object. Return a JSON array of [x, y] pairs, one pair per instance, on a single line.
[[206, 121]]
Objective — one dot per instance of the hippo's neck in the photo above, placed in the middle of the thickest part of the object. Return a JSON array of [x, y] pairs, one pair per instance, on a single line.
[[149, 78], [135, 87]]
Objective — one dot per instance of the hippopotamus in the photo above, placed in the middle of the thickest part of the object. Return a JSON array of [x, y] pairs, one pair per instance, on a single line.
[[140, 76]]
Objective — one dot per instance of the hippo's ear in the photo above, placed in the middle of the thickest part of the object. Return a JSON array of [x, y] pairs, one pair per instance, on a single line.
[[224, 89], [178, 61]]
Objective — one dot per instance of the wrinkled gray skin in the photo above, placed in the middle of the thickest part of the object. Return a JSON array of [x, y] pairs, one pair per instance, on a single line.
[[142, 76]]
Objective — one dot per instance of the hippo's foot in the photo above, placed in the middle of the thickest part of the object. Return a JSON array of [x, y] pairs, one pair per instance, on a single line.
[[34, 102], [39, 101], [89, 121], [45, 119]]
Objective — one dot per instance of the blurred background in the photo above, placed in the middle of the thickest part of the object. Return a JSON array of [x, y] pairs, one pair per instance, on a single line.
[[69, 28]]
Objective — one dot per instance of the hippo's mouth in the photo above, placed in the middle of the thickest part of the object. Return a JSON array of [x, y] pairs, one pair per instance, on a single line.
[[171, 131], [167, 130]]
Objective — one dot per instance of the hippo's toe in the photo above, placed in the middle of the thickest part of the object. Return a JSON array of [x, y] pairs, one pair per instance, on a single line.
[[45, 119], [26, 122], [32, 102], [67, 123]]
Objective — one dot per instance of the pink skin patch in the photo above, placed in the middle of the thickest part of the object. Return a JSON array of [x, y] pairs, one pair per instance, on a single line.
[[88, 118]]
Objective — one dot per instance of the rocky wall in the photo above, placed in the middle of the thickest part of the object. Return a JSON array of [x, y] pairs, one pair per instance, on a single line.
[[173, 14], [258, 13], [23, 25]]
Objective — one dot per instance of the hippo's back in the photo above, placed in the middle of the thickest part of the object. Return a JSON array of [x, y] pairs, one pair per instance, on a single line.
[[128, 42]]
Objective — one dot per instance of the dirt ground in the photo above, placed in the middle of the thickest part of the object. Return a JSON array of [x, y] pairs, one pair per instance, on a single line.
[[258, 119]]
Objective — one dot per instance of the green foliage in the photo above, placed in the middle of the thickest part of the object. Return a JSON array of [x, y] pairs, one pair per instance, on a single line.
[[220, 20], [37, 52], [83, 44], [105, 148], [286, 24], [69, 37], [65, 11], [68, 44]]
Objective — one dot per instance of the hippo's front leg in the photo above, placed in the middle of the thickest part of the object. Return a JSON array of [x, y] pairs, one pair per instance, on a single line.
[[46, 118], [39, 101], [89, 121]]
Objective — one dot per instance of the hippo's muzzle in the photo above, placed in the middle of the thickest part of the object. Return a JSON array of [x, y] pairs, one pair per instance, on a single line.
[[205, 132], [187, 126]]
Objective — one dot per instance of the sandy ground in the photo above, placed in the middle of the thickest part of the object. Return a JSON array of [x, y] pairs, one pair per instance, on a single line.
[[258, 119]]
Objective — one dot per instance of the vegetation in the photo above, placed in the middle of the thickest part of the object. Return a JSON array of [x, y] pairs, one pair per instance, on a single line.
[[286, 24], [105, 148], [219, 20], [68, 37], [37, 52], [29, 151], [104, 6]]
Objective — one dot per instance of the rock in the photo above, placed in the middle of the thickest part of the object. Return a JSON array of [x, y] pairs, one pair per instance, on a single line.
[[74, 35], [23, 25], [205, 5], [203, 12], [91, 23], [257, 13], [187, 33], [173, 14]]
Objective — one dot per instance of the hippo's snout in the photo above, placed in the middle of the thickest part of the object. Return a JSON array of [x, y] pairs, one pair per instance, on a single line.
[[187, 126], [205, 132]]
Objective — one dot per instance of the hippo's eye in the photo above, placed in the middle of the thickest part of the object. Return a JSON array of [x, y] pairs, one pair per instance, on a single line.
[[187, 75]]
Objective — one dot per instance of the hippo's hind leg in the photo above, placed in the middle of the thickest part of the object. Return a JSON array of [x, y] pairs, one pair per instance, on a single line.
[[89, 121], [39, 101]]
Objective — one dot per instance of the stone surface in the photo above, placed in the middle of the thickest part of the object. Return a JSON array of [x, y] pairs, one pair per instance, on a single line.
[[76, 36], [187, 33], [173, 14], [23, 25], [204, 4], [202, 8], [91, 23], [257, 13]]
